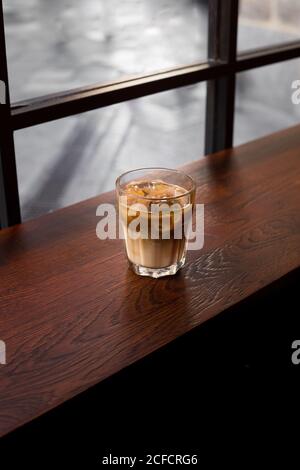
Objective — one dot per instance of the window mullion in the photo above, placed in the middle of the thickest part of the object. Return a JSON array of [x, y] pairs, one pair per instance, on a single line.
[[222, 47], [9, 193]]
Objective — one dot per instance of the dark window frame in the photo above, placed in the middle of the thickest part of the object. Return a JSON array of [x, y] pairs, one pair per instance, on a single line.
[[219, 71]]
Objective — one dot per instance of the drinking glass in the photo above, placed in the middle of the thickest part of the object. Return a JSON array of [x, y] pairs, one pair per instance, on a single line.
[[155, 212]]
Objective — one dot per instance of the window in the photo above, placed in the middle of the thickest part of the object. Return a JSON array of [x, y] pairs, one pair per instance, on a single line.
[[59, 45], [219, 70], [263, 101], [65, 161], [267, 23]]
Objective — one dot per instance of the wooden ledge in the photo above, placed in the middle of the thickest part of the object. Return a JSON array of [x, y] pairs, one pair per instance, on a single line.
[[72, 314]]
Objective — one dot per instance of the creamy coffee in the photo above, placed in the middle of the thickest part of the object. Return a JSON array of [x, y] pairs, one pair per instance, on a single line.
[[155, 215]]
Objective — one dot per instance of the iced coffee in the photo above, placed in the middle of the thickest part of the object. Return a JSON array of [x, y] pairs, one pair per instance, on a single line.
[[155, 210]]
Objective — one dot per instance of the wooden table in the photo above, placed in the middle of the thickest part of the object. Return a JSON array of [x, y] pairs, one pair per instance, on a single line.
[[72, 314]]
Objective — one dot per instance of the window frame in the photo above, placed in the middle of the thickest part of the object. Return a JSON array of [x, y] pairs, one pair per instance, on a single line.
[[219, 71]]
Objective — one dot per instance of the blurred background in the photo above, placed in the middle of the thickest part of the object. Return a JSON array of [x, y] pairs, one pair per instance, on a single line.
[[56, 45]]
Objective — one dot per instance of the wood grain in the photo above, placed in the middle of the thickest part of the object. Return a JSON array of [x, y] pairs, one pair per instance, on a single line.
[[72, 314]]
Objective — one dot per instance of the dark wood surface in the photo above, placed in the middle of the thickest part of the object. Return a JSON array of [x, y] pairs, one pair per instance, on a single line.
[[72, 314]]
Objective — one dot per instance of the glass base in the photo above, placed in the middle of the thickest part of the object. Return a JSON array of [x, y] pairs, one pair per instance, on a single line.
[[157, 272]]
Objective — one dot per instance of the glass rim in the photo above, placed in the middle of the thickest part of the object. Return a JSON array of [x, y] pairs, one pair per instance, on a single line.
[[166, 198]]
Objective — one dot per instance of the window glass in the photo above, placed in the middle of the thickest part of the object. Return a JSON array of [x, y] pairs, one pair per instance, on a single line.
[[54, 45], [264, 100], [66, 161], [267, 23]]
